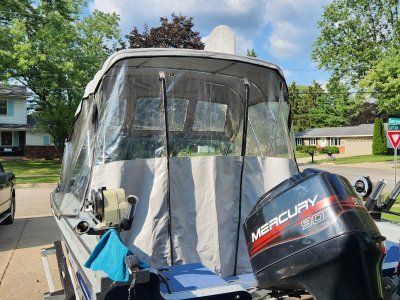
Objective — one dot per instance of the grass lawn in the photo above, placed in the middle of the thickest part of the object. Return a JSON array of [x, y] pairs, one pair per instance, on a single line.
[[359, 159], [34, 171], [301, 154], [392, 217]]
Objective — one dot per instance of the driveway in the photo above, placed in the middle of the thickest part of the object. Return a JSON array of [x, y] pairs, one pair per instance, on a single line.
[[375, 171], [21, 270]]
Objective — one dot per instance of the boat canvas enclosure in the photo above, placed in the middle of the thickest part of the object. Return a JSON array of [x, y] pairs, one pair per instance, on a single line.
[[198, 137]]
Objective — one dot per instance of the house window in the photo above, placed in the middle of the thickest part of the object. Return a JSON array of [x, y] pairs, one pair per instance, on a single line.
[[334, 141], [313, 141], [3, 107], [46, 140], [299, 142], [6, 138]]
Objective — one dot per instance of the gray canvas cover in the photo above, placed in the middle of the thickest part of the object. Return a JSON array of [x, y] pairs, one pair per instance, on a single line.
[[189, 184]]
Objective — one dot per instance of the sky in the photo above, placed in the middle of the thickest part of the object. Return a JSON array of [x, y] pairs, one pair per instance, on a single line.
[[280, 31]]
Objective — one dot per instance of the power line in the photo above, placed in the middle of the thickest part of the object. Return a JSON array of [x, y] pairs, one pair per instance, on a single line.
[[301, 70], [349, 93]]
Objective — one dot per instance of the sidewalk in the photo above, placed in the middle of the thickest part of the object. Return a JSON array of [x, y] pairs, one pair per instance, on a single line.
[[36, 185], [306, 160]]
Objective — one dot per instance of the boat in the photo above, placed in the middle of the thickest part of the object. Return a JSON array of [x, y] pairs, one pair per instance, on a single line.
[[170, 151]]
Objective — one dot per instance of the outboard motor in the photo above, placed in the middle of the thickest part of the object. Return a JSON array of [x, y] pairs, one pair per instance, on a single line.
[[311, 232]]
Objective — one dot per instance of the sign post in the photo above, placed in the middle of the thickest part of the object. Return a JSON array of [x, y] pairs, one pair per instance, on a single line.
[[394, 137]]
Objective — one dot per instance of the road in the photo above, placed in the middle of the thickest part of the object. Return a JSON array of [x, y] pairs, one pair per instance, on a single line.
[[21, 269], [374, 170]]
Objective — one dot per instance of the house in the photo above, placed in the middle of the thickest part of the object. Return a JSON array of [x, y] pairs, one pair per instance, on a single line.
[[17, 137], [351, 140]]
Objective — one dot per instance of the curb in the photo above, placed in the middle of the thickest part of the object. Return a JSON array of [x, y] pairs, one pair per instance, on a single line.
[[34, 216]]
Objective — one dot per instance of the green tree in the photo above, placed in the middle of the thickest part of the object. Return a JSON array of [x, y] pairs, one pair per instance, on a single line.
[[365, 112], [9, 11], [310, 97], [379, 143], [175, 34], [55, 51], [296, 104], [333, 106], [354, 34], [251, 53], [383, 82]]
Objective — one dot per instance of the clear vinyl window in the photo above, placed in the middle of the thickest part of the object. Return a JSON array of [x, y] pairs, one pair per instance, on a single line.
[[210, 116], [149, 114]]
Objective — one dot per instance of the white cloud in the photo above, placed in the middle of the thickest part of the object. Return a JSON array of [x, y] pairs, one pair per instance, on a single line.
[[322, 82], [284, 40], [287, 27], [242, 14], [205, 38], [288, 74], [293, 26], [242, 44]]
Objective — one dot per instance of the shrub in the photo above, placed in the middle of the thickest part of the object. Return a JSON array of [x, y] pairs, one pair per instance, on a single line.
[[306, 149], [300, 148], [379, 142], [330, 149]]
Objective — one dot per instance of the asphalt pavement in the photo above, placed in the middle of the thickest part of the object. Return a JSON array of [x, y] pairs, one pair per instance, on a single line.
[[375, 171]]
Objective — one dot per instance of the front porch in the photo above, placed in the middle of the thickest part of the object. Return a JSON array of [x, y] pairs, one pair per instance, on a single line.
[[25, 143], [12, 142]]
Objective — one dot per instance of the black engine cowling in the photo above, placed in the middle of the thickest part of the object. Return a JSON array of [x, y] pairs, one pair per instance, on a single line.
[[312, 232]]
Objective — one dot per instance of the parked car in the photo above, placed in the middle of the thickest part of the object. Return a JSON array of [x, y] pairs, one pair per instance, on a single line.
[[7, 196]]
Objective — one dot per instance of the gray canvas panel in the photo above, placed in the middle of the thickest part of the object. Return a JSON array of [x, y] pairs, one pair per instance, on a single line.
[[147, 179], [204, 206], [204, 202], [260, 175]]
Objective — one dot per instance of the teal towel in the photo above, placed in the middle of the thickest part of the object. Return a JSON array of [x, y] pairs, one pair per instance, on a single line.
[[109, 255]]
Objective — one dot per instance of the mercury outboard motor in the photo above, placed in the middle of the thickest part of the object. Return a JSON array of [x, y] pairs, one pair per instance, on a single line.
[[311, 232]]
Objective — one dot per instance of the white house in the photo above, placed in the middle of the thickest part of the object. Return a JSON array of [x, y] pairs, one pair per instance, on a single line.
[[17, 137]]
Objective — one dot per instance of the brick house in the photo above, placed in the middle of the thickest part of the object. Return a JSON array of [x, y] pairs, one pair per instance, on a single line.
[[17, 137], [351, 140]]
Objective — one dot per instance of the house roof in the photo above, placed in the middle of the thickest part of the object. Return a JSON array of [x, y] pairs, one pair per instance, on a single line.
[[16, 126], [31, 122], [17, 91], [349, 131]]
